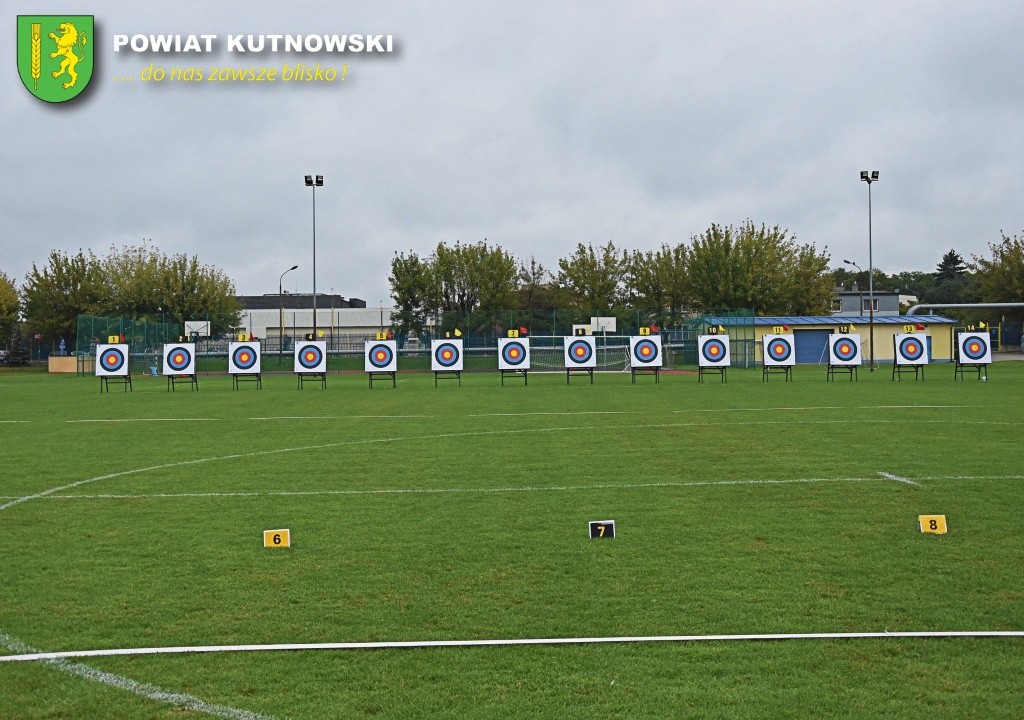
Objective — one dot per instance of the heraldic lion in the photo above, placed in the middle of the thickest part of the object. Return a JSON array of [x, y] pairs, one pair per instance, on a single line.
[[66, 42]]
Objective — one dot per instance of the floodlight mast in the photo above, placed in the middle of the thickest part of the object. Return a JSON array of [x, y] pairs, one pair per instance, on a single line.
[[311, 183], [870, 177], [280, 300]]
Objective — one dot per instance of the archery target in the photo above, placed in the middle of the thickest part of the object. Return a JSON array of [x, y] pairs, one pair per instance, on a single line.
[[180, 359], [778, 350], [974, 348], [513, 354], [446, 355], [311, 356], [713, 350], [381, 356], [645, 351], [843, 349], [579, 352], [244, 358], [111, 360], [911, 348]]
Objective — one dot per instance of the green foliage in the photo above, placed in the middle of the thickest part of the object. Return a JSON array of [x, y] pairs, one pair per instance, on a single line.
[[950, 267], [65, 287], [658, 280], [1000, 277], [473, 279], [410, 289], [136, 281], [18, 353], [538, 296], [760, 268], [9, 305], [593, 280]]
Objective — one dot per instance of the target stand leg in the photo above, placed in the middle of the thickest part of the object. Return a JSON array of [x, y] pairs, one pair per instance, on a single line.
[[448, 375], [376, 375], [514, 373]]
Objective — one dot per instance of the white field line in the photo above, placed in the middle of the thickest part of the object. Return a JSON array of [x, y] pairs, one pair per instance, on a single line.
[[150, 692], [476, 433], [11, 422], [897, 478], [135, 420], [463, 491], [341, 417], [581, 412], [28, 657]]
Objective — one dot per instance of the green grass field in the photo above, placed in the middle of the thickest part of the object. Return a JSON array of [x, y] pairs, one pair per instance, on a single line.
[[135, 520]]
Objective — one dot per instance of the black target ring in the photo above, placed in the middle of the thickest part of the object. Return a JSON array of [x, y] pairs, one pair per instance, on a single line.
[[514, 353], [779, 349], [713, 350], [580, 352], [845, 349], [446, 354], [911, 349], [380, 356], [178, 359], [310, 357], [112, 360], [244, 357], [645, 351]]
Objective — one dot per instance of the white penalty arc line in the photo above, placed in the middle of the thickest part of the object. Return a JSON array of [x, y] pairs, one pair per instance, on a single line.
[[145, 690], [397, 645], [897, 478]]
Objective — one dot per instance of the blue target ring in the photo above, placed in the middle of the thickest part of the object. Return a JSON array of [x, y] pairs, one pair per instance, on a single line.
[[179, 359], [645, 351], [244, 357], [713, 350], [580, 351], [380, 356], [780, 349], [975, 347], [844, 349], [446, 354], [310, 357], [514, 353], [112, 359], [911, 348]]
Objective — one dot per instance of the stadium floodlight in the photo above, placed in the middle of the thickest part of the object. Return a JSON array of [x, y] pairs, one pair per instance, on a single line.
[[280, 300], [310, 183], [870, 177]]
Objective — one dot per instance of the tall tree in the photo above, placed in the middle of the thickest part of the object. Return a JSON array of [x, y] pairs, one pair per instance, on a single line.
[[759, 268], [1000, 278], [950, 267], [657, 280], [56, 294], [474, 279], [10, 306], [538, 296], [593, 279], [410, 289]]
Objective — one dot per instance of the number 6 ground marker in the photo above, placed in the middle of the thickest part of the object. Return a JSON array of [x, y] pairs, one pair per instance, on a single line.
[[277, 538]]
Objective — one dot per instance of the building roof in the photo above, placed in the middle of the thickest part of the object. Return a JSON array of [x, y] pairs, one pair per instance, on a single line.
[[837, 320]]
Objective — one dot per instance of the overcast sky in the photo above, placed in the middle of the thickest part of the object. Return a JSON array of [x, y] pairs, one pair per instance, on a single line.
[[535, 125]]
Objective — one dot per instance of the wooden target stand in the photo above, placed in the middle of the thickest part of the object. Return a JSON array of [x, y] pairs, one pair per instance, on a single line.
[[383, 374], [447, 375], [304, 377], [899, 370], [175, 380], [980, 369], [125, 380], [785, 370], [655, 371], [850, 370], [569, 372], [237, 378], [514, 373], [717, 370]]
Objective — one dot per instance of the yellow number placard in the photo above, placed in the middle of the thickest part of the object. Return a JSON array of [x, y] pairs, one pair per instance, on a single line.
[[382, 335], [513, 333], [242, 337], [778, 329], [844, 328], [277, 538], [113, 339], [908, 328], [935, 524], [645, 331]]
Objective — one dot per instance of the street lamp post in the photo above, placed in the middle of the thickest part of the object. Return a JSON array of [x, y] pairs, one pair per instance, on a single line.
[[280, 300], [314, 183], [870, 177]]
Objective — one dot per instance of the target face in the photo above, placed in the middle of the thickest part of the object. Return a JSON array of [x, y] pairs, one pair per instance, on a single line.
[[180, 359], [380, 356], [645, 351], [843, 349], [244, 358], [311, 356], [713, 350], [911, 349], [513, 354], [446, 355], [974, 348], [579, 353], [778, 350], [111, 360]]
